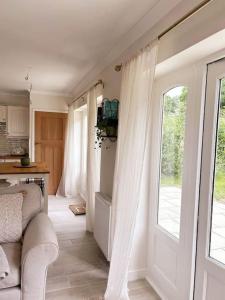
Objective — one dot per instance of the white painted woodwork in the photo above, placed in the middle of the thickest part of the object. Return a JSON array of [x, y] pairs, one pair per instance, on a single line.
[[3, 113], [210, 274], [18, 121], [171, 261], [103, 223]]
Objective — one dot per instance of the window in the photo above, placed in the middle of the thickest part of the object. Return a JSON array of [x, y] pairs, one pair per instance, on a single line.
[[217, 245], [171, 164]]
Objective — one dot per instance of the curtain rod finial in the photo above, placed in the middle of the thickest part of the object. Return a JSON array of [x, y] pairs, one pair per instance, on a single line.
[[118, 68], [100, 81]]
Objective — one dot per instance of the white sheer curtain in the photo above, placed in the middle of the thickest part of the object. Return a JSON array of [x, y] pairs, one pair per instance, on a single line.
[[135, 105], [71, 184], [66, 186], [93, 163], [83, 167]]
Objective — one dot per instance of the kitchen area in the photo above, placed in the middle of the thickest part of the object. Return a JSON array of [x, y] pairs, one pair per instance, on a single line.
[[14, 132], [14, 150]]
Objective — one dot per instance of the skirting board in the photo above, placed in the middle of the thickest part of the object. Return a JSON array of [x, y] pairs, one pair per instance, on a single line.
[[137, 274], [155, 288]]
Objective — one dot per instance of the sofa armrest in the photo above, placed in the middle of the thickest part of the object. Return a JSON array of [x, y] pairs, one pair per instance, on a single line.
[[39, 250]]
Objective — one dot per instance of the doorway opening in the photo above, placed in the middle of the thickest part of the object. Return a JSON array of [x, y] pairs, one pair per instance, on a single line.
[[50, 130]]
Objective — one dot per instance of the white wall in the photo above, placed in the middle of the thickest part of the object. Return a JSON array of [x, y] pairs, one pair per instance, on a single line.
[[134, 40], [48, 102], [204, 23], [45, 102], [111, 90], [112, 84]]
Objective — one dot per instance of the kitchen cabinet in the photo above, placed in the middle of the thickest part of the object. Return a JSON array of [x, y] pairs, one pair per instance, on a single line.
[[3, 113], [18, 121]]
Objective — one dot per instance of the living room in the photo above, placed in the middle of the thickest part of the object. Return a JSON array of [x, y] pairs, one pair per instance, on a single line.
[[112, 150]]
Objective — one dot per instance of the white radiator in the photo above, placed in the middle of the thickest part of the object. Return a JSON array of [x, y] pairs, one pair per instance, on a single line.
[[103, 223]]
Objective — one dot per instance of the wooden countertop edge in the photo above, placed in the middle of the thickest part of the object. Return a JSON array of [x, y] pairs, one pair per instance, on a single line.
[[24, 172], [10, 169]]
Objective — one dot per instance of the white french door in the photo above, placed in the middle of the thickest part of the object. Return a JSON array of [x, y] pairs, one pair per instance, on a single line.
[[210, 264], [174, 184]]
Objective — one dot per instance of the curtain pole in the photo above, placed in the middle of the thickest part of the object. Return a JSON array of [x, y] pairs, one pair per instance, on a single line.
[[201, 5], [100, 81]]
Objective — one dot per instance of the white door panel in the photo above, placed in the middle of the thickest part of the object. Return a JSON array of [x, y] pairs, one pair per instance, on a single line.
[[210, 267], [173, 208]]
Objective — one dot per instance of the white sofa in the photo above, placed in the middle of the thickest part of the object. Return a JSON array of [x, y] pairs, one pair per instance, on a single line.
[[30, 258]]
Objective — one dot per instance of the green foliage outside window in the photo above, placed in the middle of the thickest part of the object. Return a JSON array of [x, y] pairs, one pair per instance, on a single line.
[[219, 191], [173, 137], [173, 141]]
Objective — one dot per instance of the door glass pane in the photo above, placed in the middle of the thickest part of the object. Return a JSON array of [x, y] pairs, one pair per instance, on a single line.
[[172, 152], [217, 245]]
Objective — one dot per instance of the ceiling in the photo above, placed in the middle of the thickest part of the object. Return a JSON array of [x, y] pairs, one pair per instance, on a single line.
[[59, 41]]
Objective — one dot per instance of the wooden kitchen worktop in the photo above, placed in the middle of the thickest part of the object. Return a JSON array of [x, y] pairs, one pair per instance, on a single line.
[[9, 168]]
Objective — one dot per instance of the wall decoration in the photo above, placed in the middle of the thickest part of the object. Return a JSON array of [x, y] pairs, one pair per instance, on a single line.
[[107, 121]]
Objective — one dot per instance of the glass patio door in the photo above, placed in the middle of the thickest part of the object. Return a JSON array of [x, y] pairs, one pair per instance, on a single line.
[[174, 184], [210, 265]]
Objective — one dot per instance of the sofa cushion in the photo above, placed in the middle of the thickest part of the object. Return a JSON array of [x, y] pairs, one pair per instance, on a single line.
[[13, 254], [32, 202], [10, 294], [11, 217]]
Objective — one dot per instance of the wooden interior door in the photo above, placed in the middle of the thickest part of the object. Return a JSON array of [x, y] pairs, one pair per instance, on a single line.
[[50, 131]]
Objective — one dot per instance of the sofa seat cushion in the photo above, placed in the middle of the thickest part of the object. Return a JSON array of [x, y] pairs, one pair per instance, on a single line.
[[10, 294], [13, 254]]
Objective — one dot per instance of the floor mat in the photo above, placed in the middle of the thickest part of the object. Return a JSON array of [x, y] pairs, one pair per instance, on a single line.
[[78, 209]]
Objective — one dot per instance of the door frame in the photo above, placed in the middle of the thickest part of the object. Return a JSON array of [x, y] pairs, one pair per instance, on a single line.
[[203, 244], [192, 78], [32, 126], [200, 93]]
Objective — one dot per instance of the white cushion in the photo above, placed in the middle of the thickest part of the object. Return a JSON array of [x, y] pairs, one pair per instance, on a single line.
[[32, 200], [11, 293], [11, 217]]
